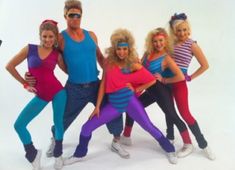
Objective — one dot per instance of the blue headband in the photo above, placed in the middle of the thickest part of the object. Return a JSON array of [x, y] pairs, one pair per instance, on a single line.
[[123, 44], [175, 17]]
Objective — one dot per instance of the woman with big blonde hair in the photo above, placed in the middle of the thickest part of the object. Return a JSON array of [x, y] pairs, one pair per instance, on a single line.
[[157, 59], [184, 50], [122, 69]]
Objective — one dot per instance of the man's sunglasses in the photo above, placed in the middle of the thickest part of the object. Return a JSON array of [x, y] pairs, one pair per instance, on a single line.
[[74, 15]]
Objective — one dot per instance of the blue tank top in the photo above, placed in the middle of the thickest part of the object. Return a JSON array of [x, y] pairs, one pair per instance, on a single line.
[[154, 66], [80, 59]]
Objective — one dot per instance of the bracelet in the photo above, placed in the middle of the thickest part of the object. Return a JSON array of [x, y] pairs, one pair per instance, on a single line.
[[25, 85], [187, 77]]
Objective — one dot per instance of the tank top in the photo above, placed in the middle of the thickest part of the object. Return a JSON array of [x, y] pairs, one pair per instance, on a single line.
[[183, 55], [80, 59], [154, 66]]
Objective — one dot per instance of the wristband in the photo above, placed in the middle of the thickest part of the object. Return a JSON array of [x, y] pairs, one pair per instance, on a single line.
[[187, 77], [25, 85]]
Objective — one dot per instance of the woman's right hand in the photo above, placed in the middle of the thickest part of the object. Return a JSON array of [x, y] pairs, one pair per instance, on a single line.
[[31, 89], [129, 85], [30, 79]]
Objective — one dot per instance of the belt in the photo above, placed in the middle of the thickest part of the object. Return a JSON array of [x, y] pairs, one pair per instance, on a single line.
[[86, 85]]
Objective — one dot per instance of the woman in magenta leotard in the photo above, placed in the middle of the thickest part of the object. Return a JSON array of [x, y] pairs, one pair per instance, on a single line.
[[42, 60]]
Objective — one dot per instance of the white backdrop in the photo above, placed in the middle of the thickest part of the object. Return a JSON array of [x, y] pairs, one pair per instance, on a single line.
[[211, 95]]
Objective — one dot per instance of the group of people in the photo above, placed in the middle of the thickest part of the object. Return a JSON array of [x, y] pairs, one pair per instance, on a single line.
[[128, 85]]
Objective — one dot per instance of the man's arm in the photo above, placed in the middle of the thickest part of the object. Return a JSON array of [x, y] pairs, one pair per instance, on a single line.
[[61, 43], [99, 55]]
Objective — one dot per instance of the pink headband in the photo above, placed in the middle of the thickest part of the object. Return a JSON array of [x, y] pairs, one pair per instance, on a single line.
[[49, 21], [160, 34]]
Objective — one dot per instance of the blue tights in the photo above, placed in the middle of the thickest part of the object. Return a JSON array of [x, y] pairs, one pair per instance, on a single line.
[[33, 108]]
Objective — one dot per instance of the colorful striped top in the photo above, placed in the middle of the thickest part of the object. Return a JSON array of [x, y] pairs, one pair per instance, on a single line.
[[183, 55], [116, 80], [154, 66]]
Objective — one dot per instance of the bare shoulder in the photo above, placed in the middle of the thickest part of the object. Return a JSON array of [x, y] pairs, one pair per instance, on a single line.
[[196, 50], [168, 58], [195, 45], [24, 50], [93, 36]]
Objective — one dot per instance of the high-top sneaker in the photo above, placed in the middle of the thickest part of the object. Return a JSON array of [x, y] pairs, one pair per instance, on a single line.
[[116, 147], [185, 150], [37, 161], [126, 140], [51, 148]]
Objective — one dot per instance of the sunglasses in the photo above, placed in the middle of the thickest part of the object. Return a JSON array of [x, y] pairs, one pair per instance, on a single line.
[[74, 15]]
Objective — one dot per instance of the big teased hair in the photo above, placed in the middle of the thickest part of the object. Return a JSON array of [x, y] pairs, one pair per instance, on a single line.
[[149, 48], [122, 36]]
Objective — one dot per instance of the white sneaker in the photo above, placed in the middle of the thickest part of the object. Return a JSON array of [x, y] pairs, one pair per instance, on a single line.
[[51, 148], [126, 140], [172, 158], [37, 161], [72, 159], [185, 150], [209, 153], [116, 147], [58, 163]]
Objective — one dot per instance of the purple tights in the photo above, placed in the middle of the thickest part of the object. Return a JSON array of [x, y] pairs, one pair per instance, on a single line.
[[136, 111]]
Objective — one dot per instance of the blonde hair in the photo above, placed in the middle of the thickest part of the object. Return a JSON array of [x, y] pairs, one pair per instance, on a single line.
[[50, 25], [149, 48], [122, 36], [70, 4], [173, 29]]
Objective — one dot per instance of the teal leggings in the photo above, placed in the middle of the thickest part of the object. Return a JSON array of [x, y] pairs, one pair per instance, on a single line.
[[33, 108]]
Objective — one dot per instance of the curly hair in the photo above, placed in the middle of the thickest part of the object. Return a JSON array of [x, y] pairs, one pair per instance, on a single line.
[[149, 48], [69, 4], [122, 36]]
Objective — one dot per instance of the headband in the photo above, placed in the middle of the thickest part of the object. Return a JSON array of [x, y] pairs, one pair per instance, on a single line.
[[123, 44], [160, 34], [49, 21], [176, 16]]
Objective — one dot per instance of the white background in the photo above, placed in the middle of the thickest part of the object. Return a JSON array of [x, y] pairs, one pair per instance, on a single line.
[[211, 95]]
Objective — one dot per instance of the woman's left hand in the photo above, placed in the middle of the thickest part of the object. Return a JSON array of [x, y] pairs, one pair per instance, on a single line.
[[96, 112]]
